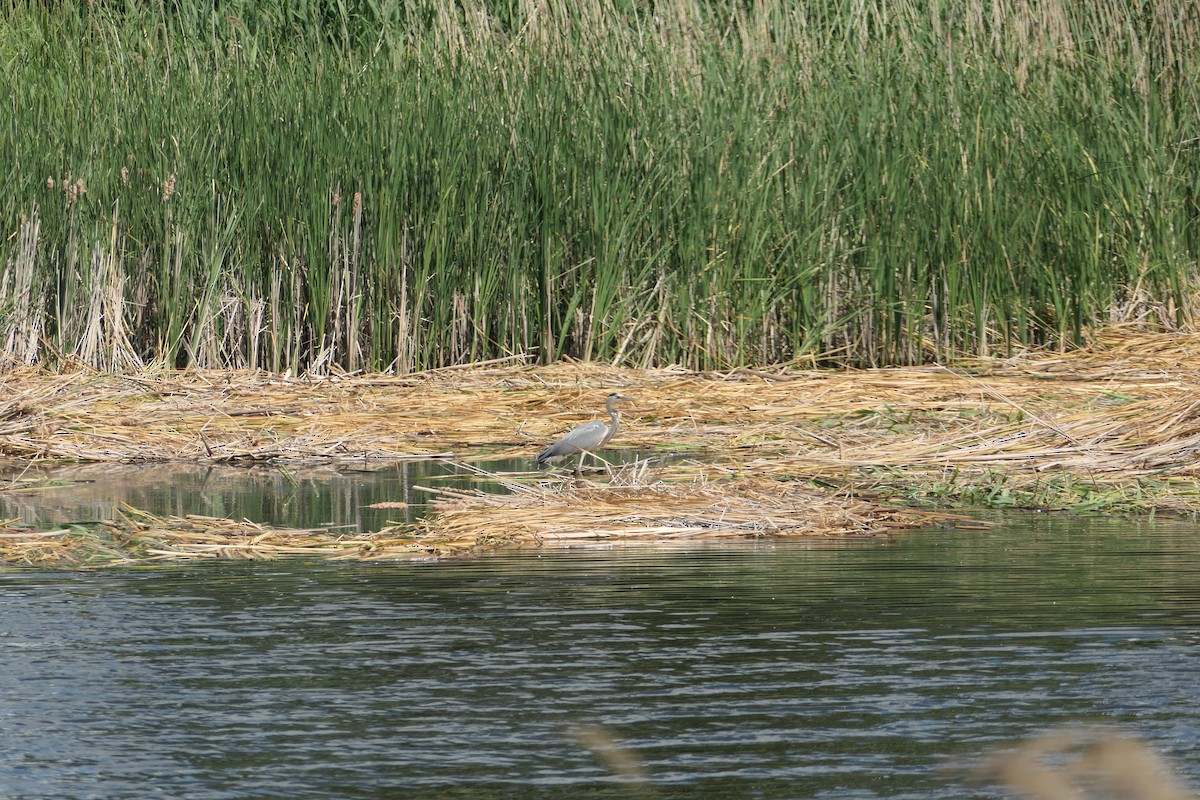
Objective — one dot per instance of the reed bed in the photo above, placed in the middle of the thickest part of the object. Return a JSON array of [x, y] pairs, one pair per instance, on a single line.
[[1125, 405], [462, 524], [403, 186], [1113, 426], [583, 514], [745, 453], [138, 537]]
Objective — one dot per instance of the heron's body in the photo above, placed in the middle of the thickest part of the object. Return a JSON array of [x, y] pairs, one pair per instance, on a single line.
[[587, 438]]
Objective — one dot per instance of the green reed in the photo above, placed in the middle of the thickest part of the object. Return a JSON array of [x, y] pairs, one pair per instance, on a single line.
[[408, 185]]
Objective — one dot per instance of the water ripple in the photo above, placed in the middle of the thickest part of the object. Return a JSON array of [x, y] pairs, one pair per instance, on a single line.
[[767, 671]]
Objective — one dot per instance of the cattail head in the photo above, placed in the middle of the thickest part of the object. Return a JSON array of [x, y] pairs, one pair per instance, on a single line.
[[50, 184], [124, 176], [168, 188], [75, 191], [357, 202]]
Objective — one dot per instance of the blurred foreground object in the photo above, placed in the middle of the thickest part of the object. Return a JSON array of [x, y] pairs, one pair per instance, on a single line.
[[1084, 764]]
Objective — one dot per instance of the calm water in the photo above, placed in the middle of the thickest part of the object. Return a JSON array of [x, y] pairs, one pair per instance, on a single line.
[[757, 671], [310, 497]]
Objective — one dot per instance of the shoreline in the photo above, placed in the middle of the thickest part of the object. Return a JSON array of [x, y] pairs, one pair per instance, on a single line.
[[1113, 428]]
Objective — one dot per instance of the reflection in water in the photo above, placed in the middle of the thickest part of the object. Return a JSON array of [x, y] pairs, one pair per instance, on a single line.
[[762, 670], [308, 497]]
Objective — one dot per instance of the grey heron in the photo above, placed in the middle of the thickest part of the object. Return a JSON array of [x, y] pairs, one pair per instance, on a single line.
[[587, 438]]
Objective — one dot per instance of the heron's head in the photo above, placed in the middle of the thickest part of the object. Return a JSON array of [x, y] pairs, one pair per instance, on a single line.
[[617, 397]]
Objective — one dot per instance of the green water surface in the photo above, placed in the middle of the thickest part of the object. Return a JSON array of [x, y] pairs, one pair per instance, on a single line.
[[755, 670]]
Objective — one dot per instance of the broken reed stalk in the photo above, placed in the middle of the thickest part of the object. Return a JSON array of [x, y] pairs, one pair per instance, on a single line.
[[1114, 427], [134, 537], [463, 523], [748, 508], [1123, 407]]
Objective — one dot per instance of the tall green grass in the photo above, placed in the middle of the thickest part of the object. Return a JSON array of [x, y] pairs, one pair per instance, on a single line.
[[372, 185]]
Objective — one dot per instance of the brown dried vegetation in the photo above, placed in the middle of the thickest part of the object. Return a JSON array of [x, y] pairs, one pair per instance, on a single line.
[[785, 451]]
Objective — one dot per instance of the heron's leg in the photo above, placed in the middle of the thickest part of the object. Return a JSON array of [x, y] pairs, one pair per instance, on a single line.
[[579, 464]]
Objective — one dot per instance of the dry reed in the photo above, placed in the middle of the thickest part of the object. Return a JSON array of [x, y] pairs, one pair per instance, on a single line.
[[137, 537], [1125, 406], [1083, 763], [463, 523], [1068, 764], [662, 512], [1116, 426]]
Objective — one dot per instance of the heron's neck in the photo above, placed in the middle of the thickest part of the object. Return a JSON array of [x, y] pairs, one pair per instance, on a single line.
[[614, 416]]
